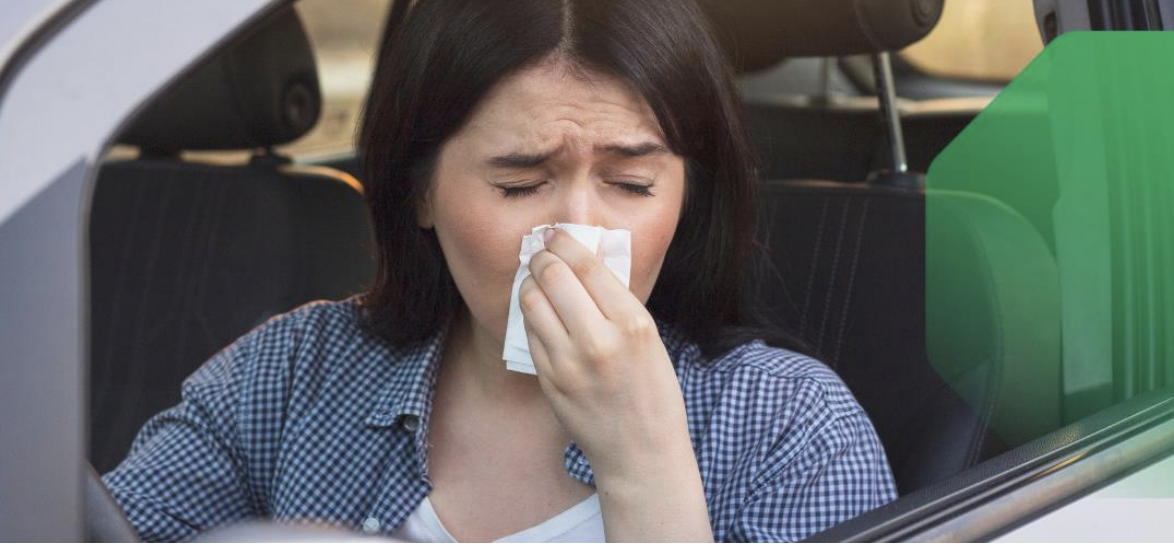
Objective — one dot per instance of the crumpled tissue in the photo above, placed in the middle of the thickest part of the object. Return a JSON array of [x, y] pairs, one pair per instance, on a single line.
[[614, 246]]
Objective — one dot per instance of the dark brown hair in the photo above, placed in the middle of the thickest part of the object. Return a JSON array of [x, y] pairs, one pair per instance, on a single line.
[[440, 57]]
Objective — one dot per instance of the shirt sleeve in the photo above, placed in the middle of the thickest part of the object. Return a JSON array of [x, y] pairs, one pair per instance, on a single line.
[[186, 471], [839, 473]]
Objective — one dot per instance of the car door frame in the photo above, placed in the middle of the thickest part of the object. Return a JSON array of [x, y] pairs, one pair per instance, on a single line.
[[96, 63]]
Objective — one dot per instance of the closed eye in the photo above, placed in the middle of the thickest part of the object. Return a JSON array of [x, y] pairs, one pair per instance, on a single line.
[[636, 189], [524, 191], [520, 191]]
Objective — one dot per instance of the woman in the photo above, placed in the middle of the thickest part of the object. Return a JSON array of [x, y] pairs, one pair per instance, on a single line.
[[655, 413]]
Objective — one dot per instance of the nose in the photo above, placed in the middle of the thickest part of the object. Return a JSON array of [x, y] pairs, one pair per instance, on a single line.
[[580, 203]]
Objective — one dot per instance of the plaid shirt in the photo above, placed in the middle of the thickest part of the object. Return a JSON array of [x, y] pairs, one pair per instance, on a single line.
[[310, 418]]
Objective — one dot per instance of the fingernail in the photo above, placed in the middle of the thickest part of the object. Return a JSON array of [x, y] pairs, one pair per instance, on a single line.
[[547, 234]]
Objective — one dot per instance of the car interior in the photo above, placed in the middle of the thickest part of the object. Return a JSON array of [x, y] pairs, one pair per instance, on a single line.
[[844, 258], [187, 255]]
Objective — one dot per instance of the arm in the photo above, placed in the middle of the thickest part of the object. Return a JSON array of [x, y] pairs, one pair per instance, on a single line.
[[660, 499], [611, 383], [186, 470], [840, 473]]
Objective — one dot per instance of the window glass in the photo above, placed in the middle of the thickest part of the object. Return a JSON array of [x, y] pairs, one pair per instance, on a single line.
[[1049, 251]]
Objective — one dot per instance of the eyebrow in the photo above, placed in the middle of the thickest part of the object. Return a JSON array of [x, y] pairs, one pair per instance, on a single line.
[[528, 161], [521, 160], [634, 150]]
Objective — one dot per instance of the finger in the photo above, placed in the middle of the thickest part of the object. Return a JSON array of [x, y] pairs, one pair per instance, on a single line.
[[538, 352], [544, 366], [540, 317], [610, 295], [566, 293]]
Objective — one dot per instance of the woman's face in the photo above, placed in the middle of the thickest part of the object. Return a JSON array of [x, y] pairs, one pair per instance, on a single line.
[[544, 146]]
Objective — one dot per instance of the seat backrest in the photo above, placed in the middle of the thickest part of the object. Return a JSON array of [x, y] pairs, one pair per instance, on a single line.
[[186, 257], [845, 265], [844, 139]]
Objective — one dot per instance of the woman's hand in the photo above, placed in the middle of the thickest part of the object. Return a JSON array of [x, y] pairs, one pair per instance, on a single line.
[[600, 358], [609, 379]]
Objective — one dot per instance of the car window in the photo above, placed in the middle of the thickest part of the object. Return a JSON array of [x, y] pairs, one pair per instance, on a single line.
[[1046, 261], [1056, 181], [1063, 168]]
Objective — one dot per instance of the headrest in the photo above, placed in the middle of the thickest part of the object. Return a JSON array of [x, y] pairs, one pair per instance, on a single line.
[[261, 90], [992, 315], [758, 34]]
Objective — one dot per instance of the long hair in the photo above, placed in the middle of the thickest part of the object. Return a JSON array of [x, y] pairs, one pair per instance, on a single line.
[[437, 60]]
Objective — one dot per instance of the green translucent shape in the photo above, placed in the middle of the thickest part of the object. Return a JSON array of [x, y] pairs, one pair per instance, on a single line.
[[1049, 239]]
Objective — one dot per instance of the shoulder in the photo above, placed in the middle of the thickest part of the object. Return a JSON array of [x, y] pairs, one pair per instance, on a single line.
[[776, 425], [318, 321], [777, 404], [316, 326], [249, 392], [284, 345], [758, 378]]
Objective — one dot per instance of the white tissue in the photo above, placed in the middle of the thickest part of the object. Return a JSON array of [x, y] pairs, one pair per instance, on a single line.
[[613, 245]]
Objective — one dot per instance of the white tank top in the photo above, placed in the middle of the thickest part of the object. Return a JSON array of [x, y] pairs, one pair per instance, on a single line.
[[582, 522]]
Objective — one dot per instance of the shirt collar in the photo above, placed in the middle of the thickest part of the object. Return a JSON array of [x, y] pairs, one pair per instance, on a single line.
[[408, 394]]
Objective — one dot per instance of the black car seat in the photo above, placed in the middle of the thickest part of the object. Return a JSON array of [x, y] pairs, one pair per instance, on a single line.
[[845, 261], [846, 269], [185, 257], [843, 138]]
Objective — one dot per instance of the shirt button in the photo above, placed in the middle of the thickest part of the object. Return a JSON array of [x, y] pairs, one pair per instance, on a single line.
[[411, 423], [371, 525]]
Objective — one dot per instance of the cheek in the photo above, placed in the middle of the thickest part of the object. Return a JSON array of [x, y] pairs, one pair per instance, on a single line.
[[476, 248], [651, 237], [480, 245], [649, 246], [653, 229]]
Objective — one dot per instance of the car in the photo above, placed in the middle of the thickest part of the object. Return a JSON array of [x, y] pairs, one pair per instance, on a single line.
[[985, 261]]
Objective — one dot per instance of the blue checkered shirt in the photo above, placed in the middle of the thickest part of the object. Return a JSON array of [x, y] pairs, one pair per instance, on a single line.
[[311, 418]]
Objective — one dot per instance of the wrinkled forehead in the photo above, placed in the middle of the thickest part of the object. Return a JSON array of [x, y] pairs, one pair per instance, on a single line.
[[549, 105]]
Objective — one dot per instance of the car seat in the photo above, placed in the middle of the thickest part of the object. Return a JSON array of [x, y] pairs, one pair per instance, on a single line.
[[184, 256]]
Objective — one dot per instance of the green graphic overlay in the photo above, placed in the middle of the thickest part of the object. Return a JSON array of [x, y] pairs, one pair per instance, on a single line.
[[1049, 237]]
